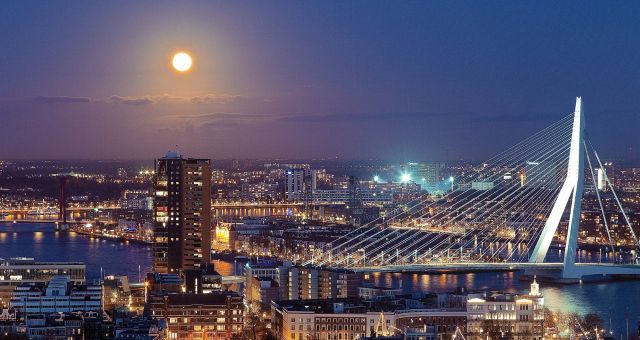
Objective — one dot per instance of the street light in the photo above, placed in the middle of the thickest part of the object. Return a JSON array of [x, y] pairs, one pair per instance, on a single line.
[[405, 178], [451, 179]]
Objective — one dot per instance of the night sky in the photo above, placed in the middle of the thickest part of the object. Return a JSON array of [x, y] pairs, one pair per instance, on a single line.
[[395, 80]]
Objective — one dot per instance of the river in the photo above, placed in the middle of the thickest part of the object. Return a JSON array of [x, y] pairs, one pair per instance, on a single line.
[[612, 300], [42, 242]]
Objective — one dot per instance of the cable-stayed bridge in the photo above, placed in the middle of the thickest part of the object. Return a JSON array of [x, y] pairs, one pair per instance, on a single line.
[[511, 211]]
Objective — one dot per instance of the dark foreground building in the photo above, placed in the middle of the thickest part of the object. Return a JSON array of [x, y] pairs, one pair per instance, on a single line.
[[182, 213], [217, 315]]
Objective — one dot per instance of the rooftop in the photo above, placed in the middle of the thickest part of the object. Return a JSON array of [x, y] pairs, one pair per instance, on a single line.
[[172, 154], [210, 299], [360, 305]]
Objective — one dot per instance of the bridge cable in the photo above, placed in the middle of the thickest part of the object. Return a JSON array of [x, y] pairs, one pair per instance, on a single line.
[[485, 204], [613, 191], [595, 186], [513, 148], [397, 245], [478, 175], [458, 213]]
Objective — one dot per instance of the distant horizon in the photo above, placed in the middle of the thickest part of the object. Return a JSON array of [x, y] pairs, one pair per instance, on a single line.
[[624, 163]]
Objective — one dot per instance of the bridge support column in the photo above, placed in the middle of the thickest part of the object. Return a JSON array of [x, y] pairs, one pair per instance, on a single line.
[[571, 190]]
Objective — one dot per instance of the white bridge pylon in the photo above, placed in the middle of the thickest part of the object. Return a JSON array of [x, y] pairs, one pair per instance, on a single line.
[[571, 190]]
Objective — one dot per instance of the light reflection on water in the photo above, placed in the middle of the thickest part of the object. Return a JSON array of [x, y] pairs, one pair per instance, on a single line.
[[616, 300], [41, 241]]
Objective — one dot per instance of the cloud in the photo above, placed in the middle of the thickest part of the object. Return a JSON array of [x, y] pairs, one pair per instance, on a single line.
[[219, 115], [130, 100], [221, 98], [221, 119], [61, 99], [167, 98], [204, 99]]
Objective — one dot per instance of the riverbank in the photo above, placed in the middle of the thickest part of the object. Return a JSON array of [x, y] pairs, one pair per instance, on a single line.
[[101, 255], [123, 237]]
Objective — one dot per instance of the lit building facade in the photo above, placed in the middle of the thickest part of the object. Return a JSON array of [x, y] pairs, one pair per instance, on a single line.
[[279, 273], [355, 318], [16, 271], [260, 192], [425, 174], [182, 213], [300, 183], [495, 314], [60, 295], [263, 291], [362, 195], [307, 283], [539, 174], [200, 316]]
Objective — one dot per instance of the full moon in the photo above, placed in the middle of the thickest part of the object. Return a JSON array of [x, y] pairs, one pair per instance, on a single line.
[[182, 62]]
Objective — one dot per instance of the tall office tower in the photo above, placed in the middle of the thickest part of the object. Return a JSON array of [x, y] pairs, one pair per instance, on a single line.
[[354, 193], [610, 171], [601, 182], [425, 174], [541, 174], [300, 184], [182, 212], [605, 175]]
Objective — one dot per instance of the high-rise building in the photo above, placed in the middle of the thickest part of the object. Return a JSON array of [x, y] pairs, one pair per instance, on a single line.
[[425, 174], [610, 171], [541, 174], [601, 181], [605, 175], [300, 183], [182, 213], [307, 283]]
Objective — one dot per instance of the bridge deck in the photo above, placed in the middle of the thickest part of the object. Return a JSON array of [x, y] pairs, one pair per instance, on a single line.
[[459, 267], [469, 267]]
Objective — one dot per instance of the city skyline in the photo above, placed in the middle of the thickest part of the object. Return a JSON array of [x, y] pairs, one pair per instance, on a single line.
[[289, 170], [412, 81]]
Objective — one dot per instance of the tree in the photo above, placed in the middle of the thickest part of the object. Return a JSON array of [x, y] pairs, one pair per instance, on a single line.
[[551, 318], [496, 330], [591, 321], [257, 329]]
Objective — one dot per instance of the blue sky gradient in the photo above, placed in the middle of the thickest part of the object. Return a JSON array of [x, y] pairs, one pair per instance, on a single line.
[[410, 80]]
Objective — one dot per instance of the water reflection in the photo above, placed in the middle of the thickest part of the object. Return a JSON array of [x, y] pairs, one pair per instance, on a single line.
[[43, 243], [616, 300]]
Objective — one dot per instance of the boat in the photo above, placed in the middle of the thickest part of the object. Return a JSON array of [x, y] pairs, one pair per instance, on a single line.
[[62, 226]]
